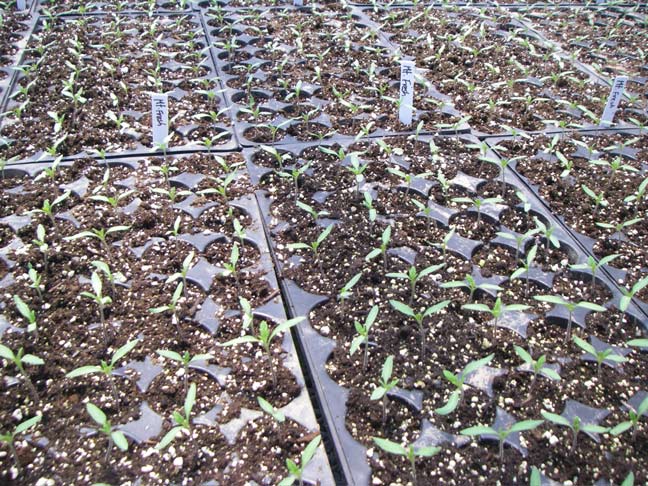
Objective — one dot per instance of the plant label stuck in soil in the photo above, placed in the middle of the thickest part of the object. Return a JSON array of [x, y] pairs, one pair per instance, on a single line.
[[298, 3], [406, 92], [160, 118], [21, 4], [613, 100]]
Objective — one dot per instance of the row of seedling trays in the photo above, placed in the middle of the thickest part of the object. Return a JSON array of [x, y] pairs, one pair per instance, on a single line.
[[153, 298]]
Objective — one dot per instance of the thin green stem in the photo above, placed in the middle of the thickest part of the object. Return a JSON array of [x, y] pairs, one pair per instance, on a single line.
[[365, 360], [15, 457], [113, 387], [30, 384]]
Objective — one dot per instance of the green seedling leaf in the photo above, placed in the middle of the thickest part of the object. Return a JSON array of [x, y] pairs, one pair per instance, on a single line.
[[97, 285], [591, 306], [177, 293], [525, 425], [639, 343], [594, 429], [452, 404], [6, 353], [96, 414], [270, 410], [555, 418], [190, 400], [350, 284], [83, 370], [310, 450], [30, 359], [551, 374], [621, 428], [24, 309], [158, 310], [389, 446], [284, 326], [451, 378], [240, 340], [357, 341], [172, 355], [478, 430], [427, 451], [378, 393], [124, 350], [27, 424], [292, 467], [584, 345], [371, 317], [120, 440], [475, 365], [402, 308], [521, 352], [387, 369], [476, 307], [629, 480], [551, 299], [168, 438], [431, 269]]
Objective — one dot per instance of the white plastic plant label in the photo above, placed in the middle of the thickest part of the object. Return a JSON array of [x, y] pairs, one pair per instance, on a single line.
[[160, 118], [406, 92], [298, 3], [21, 4], [614, 99]]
